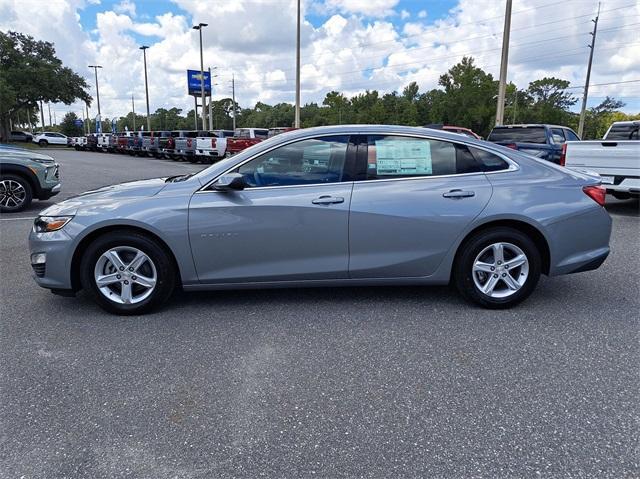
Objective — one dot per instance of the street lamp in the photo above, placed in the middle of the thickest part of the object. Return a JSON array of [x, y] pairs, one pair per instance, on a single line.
[[146, 85], [95, 69], [199, 27]]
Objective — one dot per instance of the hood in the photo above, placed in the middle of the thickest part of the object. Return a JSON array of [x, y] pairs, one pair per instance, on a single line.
[[114, 194]]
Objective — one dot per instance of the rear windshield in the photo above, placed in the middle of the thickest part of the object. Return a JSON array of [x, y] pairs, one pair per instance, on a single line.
[[535, 134], [623, 132]]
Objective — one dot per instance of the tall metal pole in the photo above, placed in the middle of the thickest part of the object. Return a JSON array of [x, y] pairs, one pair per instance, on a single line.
[[297, 115], [502, 86], [95, 69], [133, 108], [88, 120], [146, 88], [210, 104], [49, 106], [233, 98], [195, 111], [586, 83], [199, 27], [41, 117]]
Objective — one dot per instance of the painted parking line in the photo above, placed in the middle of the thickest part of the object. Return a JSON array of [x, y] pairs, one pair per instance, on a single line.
[[18, 219]]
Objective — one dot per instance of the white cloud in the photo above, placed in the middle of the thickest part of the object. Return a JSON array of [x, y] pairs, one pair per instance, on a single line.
[[422, 14], [404, 14], [371, 8], [126, 7]]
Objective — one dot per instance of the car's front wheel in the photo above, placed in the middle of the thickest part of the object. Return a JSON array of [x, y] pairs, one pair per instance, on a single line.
[[15, 193], [127, 273], [497, 268]]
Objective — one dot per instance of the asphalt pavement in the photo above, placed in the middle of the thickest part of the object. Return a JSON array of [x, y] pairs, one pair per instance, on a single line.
[[353, 382]]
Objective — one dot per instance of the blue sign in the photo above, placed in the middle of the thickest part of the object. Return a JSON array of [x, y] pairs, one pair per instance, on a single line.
[[194, 82], [98, 124], [78, 122]]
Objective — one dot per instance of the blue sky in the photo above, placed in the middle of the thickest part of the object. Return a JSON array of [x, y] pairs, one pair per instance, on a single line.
[[348, 45]]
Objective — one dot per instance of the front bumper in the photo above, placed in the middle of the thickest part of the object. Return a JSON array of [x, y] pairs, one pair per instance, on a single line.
[[55, 272]]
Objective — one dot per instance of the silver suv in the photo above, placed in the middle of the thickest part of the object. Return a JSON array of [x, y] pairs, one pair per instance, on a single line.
[[25, 175]]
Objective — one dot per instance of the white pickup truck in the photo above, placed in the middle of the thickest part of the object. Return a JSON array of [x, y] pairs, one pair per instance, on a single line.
[[616, 158], [212, 148]]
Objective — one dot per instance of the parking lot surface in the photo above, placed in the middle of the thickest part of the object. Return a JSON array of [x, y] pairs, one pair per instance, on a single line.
[[353, 382]]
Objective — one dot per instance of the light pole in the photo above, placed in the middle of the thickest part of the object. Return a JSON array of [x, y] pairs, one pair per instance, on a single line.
[[99, 120], [297, 113], [146, 85], [211, 98], [199, 27]]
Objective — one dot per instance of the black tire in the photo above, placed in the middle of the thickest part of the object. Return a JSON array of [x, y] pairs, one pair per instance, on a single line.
[[24, 199], [463, 275], [43, 143], [164, 265]]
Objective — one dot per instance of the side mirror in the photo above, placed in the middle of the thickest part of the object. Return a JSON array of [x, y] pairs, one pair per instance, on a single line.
[[230, 181]]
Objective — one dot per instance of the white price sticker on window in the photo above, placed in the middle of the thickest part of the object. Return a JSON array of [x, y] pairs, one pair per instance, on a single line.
[[406, 157]]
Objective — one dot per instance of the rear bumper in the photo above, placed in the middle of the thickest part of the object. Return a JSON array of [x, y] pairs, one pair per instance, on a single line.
[[579, 243]]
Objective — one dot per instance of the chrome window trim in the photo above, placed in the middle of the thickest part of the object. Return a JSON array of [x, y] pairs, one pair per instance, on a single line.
[[513, 166]]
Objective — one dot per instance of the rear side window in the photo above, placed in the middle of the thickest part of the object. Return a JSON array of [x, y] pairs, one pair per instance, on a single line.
[[402, 157], [623, 132], [558, 136], [533, 134], [488, 161], [570, 135]]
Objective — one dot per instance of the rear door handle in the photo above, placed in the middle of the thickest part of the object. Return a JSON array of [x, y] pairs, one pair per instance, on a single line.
[[327, 200], [459, 194]]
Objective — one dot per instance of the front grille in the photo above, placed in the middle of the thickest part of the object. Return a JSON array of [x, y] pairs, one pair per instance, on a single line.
[[39, 269]]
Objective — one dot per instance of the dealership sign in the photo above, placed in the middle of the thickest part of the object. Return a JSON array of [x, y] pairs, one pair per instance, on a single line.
[[194, 81]]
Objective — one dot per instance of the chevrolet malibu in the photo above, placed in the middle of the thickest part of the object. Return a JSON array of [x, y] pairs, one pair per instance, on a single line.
[[330, 206]]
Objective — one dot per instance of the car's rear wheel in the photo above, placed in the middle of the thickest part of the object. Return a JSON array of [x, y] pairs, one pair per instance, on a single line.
[[127, 273], [497, 268], [43, 143], [15, 193]]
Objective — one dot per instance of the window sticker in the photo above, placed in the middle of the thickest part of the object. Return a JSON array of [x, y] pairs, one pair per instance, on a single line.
[[407, 157]]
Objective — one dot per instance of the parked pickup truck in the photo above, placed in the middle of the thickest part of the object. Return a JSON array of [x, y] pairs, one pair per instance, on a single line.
[[125, 141], [186, 144], [210, 149], [616, 158], [151, 144], [543, 141], [244, 138]]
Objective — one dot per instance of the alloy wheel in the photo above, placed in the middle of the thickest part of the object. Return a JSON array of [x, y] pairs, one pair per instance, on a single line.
[[12, 194], [500, 270], [125, 275]]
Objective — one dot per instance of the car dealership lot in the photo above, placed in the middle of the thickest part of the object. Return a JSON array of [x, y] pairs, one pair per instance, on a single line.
[[347, 382]]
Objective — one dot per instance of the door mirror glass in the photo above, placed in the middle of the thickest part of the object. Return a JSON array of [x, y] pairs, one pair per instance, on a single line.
[[230, 181]]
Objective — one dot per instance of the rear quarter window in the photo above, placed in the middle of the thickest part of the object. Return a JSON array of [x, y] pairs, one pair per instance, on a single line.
[[519, 135], [489, 161]]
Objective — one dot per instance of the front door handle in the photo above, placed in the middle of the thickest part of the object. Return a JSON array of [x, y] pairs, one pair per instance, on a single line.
[[459, 194], [327, 200]]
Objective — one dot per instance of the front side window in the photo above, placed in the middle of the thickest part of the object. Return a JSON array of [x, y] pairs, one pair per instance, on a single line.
[[306, 162], [402, 156], [570, 135]]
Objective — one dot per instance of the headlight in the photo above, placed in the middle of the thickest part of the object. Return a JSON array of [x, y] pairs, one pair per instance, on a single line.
[[43, 161], [46, 224]]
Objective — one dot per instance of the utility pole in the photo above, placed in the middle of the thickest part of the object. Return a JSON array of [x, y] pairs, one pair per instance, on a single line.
[[133, 108], [199, 27], [99, 117], [49, 106], [233, 98], [88, 120], [211, 103], [146, 89], [41, 117], [502, 86], [195, 111], [55, 120], [586, 83], [297, 115]]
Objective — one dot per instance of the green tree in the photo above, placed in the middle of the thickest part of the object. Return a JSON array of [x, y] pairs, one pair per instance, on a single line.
[[550, 102], [68, 126], [30, 72], [599, 118]]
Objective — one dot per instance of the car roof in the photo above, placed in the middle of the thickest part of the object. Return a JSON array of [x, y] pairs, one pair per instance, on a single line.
[[531, 125], [626, 123]]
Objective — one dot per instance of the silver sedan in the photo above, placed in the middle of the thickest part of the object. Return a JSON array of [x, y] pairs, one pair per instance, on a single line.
[[330, 206]]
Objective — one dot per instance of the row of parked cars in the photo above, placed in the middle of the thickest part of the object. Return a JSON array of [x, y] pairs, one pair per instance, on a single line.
[[180, 145]]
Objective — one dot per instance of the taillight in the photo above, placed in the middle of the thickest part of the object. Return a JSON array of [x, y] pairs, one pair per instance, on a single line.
[[596, 193], [213, 142], [563, 155], [513, 146]]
